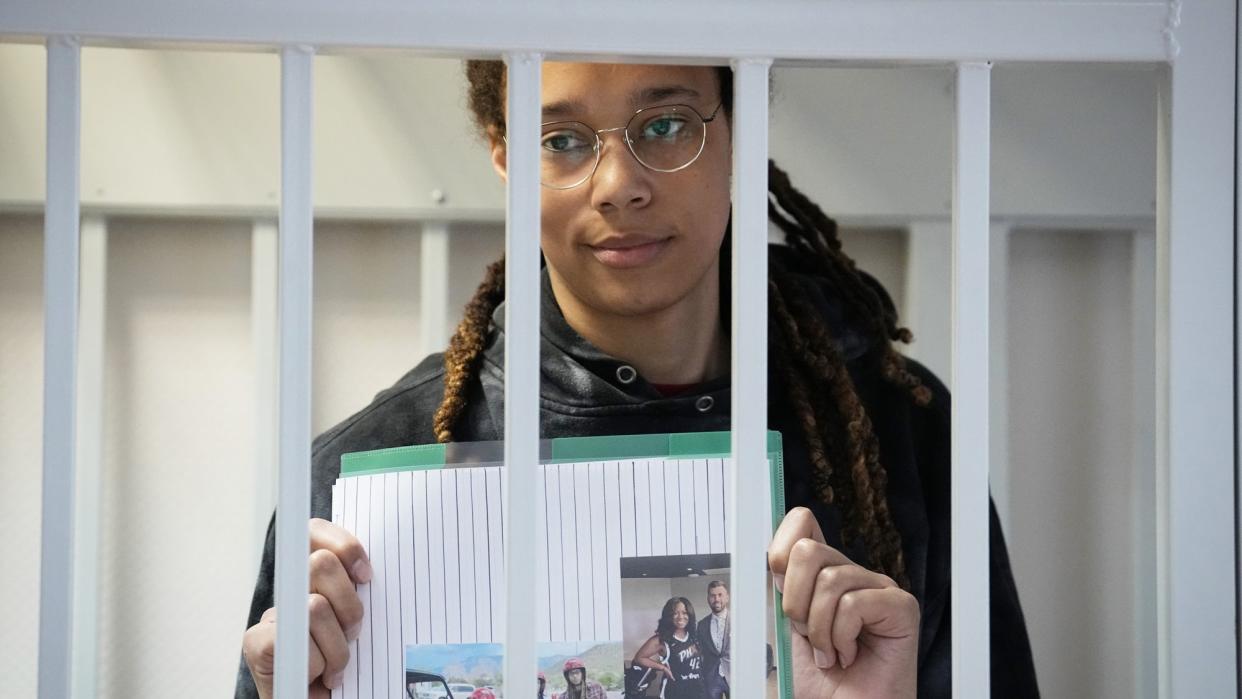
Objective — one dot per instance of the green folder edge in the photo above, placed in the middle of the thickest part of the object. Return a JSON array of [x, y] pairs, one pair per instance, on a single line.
[[678, 445]]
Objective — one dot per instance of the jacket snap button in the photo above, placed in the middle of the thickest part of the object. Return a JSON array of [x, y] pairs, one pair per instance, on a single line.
[[626, 374], [704, 403]]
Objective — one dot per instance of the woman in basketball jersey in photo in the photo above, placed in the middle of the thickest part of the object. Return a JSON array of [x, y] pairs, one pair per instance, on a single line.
[[674, 651]]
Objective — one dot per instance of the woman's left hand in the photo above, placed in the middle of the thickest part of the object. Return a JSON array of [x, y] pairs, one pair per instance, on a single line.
[[856, 632]]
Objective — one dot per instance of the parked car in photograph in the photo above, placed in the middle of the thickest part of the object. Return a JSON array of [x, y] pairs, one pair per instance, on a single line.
[[426, 685]]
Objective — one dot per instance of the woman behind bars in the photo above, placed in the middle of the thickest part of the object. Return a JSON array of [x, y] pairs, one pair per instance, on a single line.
[[636, 164]]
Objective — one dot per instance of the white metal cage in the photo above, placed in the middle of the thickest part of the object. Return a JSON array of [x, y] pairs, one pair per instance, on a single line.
[[1195, 412]]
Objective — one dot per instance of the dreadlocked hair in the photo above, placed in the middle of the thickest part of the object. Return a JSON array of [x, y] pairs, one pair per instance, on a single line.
[[466, 349], [841, 442]]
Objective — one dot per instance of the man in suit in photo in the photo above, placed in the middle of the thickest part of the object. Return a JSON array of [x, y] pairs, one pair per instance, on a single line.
[[713, 637]]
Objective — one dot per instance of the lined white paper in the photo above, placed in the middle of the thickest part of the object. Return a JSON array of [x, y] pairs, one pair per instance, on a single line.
[[435, 539]]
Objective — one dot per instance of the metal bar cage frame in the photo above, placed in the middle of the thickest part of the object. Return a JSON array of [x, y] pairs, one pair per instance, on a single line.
[[1195, 407]]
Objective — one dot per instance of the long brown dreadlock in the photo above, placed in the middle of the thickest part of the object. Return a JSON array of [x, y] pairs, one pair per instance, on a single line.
[[843, 448]]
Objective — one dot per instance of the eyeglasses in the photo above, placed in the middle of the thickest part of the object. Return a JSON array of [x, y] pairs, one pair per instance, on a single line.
[[666, 138]]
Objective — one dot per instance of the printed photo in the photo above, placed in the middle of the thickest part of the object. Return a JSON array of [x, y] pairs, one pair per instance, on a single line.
[[454, 671], [675, 622], [580, 670]]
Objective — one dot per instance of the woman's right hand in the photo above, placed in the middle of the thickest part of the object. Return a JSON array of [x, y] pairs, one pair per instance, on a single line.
[[337, 562], [856, 632]]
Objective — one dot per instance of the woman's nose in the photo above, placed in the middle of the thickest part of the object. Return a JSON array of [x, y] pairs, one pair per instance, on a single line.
[[620, 181]]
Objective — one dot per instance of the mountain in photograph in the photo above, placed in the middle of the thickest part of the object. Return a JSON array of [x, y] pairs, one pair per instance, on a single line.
[[478, 663], [603, 662]]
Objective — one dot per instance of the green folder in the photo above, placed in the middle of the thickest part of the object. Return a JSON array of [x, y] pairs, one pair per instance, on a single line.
[[673, 446]]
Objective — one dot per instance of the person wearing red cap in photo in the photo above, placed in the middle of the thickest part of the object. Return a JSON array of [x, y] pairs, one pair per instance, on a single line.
[[578, 686], [482, 693]]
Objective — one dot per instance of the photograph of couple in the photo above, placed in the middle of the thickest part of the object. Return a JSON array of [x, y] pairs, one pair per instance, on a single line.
[[689, 656], [676, 627]]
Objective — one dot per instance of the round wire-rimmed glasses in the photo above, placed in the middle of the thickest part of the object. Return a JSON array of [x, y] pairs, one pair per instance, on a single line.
[[664, 138]]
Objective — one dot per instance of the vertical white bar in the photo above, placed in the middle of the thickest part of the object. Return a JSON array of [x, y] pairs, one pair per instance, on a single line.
[[407, 545], [629, 509], [264, 257], [366, 591], [542, 544], [612, 515], [482, 562], [571, 585], [701, 498], [971, 397], [350, 517], [556, 534], [1163, 641], [378, 533], [392, 583], [687, 499], [433, 266], [1201, 236], [716, 517], [92, 299], [751, 530], [1143, 497], [293, 502], [465, 561], [495, 553], [658, 501], [453, 594], [643, 510], [998, 342], [437, 565], [60, 340], [422, 558], [600, 558], [522, 288]]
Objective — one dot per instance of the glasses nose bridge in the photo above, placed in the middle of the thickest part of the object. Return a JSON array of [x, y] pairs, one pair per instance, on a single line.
[[599, 136], [625, 138]]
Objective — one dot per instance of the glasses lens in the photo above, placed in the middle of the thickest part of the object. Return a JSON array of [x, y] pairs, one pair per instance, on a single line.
[[666, 138], [567, 153]]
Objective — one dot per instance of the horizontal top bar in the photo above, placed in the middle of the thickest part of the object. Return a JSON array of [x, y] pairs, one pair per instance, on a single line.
[[695, 32]]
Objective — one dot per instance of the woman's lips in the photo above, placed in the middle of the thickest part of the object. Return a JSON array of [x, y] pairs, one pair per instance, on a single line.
[[628, 254]]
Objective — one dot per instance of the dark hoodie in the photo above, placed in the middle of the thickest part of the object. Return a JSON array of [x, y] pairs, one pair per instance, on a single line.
[[583, 394]]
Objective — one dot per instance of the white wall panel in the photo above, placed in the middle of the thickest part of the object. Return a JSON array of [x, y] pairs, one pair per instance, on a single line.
[[23, 111], [392, 133], [366, 314], [472, 247], [179, 128], [21, 430], [179, 427], [1071, 458], [367, 306], [1069, 140], [392, 130]]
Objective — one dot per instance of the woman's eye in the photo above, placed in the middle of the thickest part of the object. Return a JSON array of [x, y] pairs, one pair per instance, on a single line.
[[564, 142], [663, 127]]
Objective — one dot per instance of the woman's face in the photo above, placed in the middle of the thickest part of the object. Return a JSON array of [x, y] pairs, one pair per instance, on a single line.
[[631, 241], [681, 618]]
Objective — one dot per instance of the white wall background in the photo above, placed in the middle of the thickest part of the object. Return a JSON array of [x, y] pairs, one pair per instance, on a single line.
[[181, 149]]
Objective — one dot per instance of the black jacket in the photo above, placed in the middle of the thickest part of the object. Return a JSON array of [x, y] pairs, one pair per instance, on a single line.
[[583, 394], [707, 647]]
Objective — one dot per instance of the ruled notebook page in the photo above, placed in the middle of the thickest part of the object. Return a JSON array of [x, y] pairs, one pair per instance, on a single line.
[[615, 540]]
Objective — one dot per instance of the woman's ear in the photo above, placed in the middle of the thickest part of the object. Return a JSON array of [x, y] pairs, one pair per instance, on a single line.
[[499, 153]]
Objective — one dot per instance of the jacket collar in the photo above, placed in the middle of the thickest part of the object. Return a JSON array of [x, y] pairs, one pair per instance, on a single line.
[[577, 374]]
